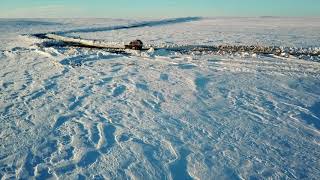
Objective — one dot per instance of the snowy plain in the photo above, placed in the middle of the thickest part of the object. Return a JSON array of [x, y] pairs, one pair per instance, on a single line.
[[77, 113]]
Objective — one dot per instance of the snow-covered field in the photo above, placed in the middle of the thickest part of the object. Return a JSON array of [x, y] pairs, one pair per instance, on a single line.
[[76, 113]]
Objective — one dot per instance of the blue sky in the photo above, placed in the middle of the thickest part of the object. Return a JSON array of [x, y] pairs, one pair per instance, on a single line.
[[157, 8]]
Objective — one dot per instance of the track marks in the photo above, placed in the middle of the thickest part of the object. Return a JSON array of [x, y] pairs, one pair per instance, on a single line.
[[61, 120], [164, 77], [201, 83], [43, 173], [108, 139], [31, 162], [80, 60], [7, 171], [88, 158], [154, 102], [65, 169], [47, 148], [120, 89], [98, 138], [35, 95], [95, 133], [104, 81], [142, 86], [28, 80], [67, 153], [76, 102], [151, 104], [179, 167], [103, 135], [6, 85]]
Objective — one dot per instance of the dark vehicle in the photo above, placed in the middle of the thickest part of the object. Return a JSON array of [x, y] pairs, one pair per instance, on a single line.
[[135, 45]]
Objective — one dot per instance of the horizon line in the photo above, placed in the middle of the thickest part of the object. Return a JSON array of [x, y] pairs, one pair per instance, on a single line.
[[122, 18]]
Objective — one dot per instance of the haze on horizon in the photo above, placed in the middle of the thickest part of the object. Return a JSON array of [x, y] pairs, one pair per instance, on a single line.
[[155, 9]]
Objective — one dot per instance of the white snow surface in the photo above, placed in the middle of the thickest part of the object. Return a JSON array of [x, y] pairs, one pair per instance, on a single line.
[[76, 113]]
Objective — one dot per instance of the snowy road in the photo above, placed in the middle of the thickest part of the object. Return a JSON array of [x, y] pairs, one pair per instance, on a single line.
[[74, 113]]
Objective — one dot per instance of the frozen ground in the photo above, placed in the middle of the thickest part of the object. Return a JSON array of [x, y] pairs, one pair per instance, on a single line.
[[76, 113]]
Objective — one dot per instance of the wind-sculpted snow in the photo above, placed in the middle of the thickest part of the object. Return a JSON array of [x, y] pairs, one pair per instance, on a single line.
[[75, 113]]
